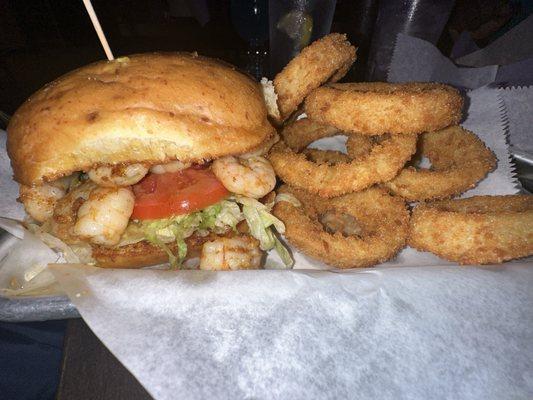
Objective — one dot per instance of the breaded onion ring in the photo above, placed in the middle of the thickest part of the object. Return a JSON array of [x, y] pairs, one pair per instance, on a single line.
[[329, 157], [476, 230], [459, 160], [300, 133], [375, 108], [326, 60], [380, 164], [304, 131], [381, 231], [360, 145]]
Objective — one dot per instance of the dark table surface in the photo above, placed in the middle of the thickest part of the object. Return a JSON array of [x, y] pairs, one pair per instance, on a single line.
[[90, 371], [30, 359]]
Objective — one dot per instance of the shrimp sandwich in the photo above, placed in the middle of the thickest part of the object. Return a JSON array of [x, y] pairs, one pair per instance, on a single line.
[[149, 159]]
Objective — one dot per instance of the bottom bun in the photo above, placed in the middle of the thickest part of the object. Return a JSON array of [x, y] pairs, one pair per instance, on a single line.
[[144, 254]]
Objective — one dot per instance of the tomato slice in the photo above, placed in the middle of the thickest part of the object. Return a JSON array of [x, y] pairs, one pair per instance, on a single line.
[[174, 193]]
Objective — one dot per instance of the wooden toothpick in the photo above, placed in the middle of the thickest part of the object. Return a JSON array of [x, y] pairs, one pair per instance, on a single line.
[[98, 29]]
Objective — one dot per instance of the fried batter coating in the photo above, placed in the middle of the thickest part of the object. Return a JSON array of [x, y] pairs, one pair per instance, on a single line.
[[329, 179], [328, 157], [376, 108], [382, 220], [360, 145], [476, 230], [326, 60], [300, 133], [459, 160]]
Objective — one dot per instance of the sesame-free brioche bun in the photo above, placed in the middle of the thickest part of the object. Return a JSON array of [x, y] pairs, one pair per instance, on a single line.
[[144, 254], [151, 108]]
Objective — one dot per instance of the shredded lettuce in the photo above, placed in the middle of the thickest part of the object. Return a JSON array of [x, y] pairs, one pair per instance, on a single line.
[[175, 229], [260, 221], [288, 198], [283, 253], [218, 218], [230, 215]]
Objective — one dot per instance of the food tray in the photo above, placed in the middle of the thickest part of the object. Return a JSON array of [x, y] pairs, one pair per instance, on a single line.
[[43, 308], [28, 308]]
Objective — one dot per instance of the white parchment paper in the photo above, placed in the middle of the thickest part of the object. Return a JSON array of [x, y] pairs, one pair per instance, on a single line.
[[508, 61], [516, 45], [518, 103], [417, 60], [9, 207], [396, 333]]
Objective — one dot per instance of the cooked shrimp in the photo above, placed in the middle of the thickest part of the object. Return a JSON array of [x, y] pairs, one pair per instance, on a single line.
[[241, 252], [252, 177], [118, 175], [66, 212], [173, 166], [39, 201], [104, 216]]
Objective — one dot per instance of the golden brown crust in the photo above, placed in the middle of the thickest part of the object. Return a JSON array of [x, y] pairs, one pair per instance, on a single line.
[[383, 221], [380, 164], [329, 157], [300, 133], [144, 254], [360, 145], [476, 230], [327, 59], [459, 160], [143, 108], [377, 108]]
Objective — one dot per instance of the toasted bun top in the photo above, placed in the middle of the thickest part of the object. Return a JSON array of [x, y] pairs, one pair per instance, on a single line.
[[143, 108]]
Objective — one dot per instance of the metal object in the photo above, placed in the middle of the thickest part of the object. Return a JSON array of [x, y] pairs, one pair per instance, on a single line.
[[36, 309], [41, 308], [524, 172], [22, 309]]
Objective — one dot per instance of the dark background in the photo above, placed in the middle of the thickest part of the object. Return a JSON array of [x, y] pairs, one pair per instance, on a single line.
[[42, 39]]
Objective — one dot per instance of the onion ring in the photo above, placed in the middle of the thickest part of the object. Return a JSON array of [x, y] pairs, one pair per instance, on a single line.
[[360, 145], [380, 164], [327, 59], [459, 161], [304, 131], [476, 230], [300, 133], [376, 108], [329, 157], [383, 222]]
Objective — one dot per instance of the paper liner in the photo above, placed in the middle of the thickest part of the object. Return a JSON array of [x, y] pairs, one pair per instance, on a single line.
[[396, 333], [432, 66], [518, 104]]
